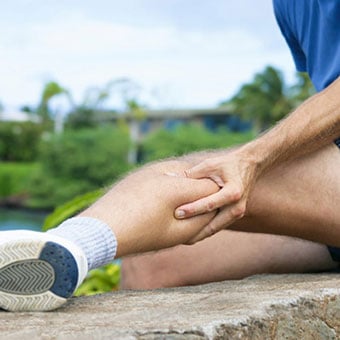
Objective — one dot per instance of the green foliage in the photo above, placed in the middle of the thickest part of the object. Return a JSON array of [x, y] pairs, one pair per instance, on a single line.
[[14, 178], [302, 90], [81, 117], [189, 138], [263, 100], [76, 162], [19, 141], [100, 280], [267, 99], [85, 114], [71, 208], [50, 90]]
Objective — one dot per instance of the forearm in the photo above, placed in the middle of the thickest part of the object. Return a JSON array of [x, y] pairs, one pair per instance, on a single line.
[[311, 126]]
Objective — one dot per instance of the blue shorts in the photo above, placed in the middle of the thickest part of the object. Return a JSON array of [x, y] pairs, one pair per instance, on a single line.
[[335, 251]]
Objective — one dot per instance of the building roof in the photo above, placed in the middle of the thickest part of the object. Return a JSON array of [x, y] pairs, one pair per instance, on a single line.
[[166, 113], [14, 115]]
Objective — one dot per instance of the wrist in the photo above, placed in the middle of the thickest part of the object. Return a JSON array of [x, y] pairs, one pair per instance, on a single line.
[[257, 155]]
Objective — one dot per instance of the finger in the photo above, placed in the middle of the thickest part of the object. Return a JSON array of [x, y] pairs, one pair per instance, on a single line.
[[216, 225], [223, 219], [225, 196], [201, 170]]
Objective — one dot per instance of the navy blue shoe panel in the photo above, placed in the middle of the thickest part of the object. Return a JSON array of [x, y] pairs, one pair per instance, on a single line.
[[65, 268]]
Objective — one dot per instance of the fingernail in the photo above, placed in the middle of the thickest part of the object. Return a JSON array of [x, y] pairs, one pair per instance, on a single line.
[[180, 213]]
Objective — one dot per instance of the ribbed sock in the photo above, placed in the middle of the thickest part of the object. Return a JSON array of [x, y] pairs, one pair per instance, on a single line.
[[93, 236]]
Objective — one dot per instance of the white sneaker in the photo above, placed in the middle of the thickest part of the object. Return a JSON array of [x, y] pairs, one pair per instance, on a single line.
[[38, 271]]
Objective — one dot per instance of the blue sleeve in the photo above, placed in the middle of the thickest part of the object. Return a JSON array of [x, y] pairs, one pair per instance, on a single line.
[[281, 10]]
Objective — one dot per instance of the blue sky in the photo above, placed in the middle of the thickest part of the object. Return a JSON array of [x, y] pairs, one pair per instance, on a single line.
[[182, 53]]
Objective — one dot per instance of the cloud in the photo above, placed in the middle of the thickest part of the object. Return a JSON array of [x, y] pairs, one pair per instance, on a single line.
[[198, 67], [78, 34]]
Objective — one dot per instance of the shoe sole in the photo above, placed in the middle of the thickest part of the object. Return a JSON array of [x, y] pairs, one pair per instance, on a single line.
[[36, 275]]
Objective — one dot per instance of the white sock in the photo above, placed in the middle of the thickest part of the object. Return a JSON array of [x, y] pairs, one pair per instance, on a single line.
[[93, 236]]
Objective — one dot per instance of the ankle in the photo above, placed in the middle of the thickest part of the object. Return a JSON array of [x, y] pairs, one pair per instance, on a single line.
[[93, 236]]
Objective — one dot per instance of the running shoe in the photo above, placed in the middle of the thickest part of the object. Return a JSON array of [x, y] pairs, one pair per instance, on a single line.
[[38, 271]]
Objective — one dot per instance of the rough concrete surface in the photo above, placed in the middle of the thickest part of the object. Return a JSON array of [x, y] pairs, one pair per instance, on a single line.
[[260, 307]]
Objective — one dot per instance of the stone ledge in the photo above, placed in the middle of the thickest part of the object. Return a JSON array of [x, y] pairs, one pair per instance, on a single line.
[[261, 307]]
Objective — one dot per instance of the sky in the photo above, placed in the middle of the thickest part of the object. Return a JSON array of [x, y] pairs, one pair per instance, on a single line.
[[181, 53]]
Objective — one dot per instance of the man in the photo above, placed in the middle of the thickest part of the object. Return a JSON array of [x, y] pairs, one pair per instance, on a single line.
[[311, 29], [286, 182]]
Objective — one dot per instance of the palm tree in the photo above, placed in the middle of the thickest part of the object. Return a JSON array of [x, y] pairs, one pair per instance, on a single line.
[[51, 90], [95, 98], [267, 99], [263, 100]]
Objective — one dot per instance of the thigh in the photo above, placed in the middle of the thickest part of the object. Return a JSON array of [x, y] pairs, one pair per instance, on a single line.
[[224, 256], [300, 198]]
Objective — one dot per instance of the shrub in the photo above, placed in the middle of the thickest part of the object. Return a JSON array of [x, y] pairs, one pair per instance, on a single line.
[[100, 280], [14, 178], [19, 141], [71, 208], [77, 162], [189, 138]]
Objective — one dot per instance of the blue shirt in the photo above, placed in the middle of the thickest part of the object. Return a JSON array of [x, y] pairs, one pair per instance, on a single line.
[[312, 31]]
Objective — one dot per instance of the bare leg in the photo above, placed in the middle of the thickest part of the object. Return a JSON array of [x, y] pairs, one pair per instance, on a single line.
[[140, 208], [300, 199], [225, 256]]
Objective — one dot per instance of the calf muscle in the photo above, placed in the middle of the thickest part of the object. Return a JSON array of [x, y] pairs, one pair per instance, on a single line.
[[140, 208]]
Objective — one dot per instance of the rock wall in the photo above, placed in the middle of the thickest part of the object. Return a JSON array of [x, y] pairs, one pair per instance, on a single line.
[[261, 307]]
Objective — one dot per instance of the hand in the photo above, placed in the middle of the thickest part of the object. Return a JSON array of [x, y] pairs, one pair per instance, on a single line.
[[235, 173]]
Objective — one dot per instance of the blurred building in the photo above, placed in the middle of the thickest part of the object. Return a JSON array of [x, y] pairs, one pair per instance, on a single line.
[[151, 120], [143, 121], [14, 115]]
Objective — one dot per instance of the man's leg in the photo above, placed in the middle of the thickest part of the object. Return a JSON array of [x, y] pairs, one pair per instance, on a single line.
[[140, 208], [228, 255], [302, 198], [39, 271]]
